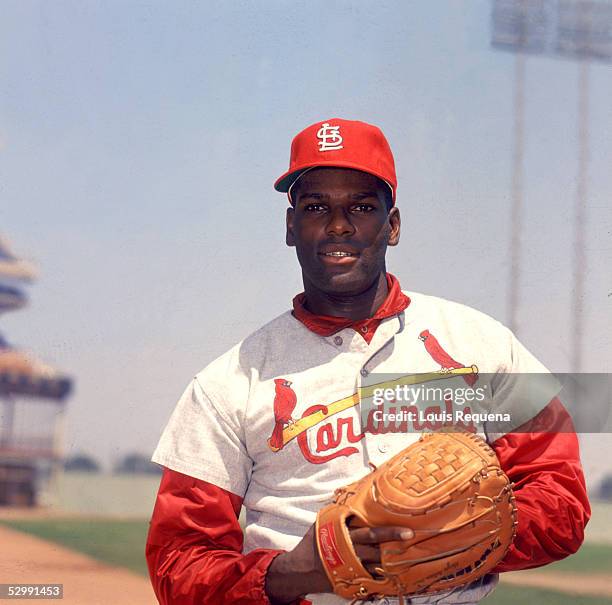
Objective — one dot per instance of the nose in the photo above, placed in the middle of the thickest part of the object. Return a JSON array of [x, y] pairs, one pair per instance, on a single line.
[[339, 223]]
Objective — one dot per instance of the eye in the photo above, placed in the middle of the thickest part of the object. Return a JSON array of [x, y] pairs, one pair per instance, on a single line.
[[314, 207], [363, 207]]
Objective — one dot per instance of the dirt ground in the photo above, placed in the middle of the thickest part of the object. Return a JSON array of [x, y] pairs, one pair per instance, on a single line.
[[26, 559]]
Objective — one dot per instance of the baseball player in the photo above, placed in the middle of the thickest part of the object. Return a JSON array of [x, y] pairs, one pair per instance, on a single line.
[[274, 425]]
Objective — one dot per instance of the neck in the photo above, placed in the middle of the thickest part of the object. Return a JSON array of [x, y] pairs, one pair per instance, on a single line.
[[349, 305]]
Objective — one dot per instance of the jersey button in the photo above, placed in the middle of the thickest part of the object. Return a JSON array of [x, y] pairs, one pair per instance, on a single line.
[[364, 329], [383, 448], [338, 340], [364, 372]]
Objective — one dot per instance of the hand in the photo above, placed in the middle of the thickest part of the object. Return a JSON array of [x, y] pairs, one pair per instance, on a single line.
[[300, 571], [296, 573], [367, 541]]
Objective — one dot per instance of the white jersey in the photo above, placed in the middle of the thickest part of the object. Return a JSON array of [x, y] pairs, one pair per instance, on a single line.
[[285, 375]]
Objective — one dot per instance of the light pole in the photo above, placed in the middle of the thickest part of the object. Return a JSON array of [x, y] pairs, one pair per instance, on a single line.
[[569, 29]]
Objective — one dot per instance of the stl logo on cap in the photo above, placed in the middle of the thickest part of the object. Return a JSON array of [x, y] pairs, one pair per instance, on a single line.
[[361, 146], [329, 137]]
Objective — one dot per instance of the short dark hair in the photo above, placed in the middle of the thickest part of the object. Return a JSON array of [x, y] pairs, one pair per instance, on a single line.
[[388, 195]]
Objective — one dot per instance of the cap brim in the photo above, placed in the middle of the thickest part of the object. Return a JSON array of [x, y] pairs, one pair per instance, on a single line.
[[285, 181]]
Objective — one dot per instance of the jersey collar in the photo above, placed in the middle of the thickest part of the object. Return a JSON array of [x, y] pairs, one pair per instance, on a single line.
[[326, 325]]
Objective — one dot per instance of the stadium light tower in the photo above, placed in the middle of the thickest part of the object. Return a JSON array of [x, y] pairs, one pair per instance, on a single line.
[[568, 29]]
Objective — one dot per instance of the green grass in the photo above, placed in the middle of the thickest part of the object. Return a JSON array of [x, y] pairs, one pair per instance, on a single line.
[[591, 558], [119, 543], [511, 595]]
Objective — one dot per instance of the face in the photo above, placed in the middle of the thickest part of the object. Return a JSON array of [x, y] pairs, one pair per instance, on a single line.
[[340, 227]]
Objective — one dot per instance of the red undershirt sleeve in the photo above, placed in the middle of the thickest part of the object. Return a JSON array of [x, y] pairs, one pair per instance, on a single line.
[[194, 547], [550, 491]]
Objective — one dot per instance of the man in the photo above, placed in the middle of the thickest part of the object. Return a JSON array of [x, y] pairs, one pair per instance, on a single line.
[[266, 426]]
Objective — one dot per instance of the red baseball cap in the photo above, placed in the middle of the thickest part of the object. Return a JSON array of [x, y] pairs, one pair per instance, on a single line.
[[338, 143]]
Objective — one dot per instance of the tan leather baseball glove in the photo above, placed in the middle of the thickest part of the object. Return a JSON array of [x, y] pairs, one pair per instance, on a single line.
[[450, 490]]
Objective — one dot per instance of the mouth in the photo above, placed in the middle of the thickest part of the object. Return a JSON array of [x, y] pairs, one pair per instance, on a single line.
[[338, 257], [338, 254]]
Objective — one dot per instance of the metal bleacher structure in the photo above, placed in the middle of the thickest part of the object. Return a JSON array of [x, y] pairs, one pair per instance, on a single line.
[[32, 401]]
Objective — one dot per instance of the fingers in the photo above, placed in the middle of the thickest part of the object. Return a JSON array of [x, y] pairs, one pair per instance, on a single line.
[[368, 554], [367, 541], [377, 535], [369, 557]]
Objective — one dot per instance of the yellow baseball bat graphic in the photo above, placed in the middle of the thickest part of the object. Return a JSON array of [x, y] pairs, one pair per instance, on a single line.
[[303, 424]]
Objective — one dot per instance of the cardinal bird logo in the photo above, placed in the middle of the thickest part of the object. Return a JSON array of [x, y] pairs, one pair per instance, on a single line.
[[284, 404], [439, 355]]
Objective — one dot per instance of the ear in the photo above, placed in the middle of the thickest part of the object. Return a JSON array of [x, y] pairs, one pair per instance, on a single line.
[[395, 222], [289, 237]]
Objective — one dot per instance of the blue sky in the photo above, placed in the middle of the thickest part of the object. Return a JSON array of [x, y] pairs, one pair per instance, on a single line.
[[138, 146]]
